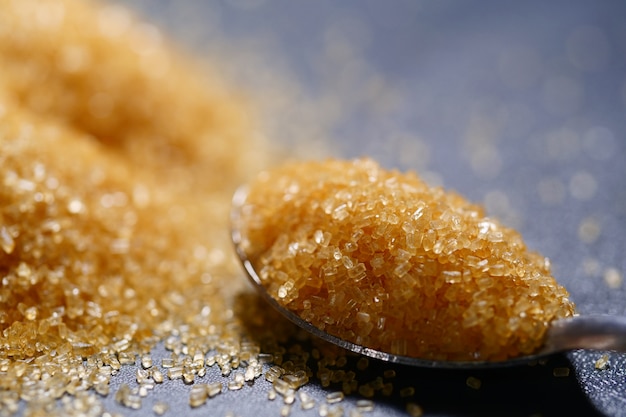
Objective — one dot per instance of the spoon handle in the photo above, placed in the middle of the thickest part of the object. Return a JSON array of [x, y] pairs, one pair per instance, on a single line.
[[600, 332]]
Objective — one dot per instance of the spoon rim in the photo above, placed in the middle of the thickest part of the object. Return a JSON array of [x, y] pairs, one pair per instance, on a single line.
[[238, 201]]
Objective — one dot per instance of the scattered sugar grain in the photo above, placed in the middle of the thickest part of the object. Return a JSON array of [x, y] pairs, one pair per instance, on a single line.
[[306, 401], [334, 397], [285, 410], [414, 410], [335, 411], [602, 362], [198, 395], [250, 374], [160, 407], [289, 398], [365, 405], [473, 382], [146, 361], [175, 372], [271, 394], [214, 389], [157, 376], [188, 377], [236, 383]]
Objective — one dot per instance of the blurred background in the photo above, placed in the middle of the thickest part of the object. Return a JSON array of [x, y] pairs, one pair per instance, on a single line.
[[519, 105]]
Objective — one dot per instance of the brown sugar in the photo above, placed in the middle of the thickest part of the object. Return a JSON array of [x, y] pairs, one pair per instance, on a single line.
[[96, 69], [118, 158], [381, 259]]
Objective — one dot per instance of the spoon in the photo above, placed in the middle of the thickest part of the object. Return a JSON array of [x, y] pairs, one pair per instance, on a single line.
[[595, 332]]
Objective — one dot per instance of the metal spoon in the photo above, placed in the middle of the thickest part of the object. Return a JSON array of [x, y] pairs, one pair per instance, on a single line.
[[596, 332]]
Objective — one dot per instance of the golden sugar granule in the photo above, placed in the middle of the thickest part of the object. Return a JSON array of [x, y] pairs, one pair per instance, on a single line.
[[289, 398], [414, 410], [381, 259], [473, 382], [365, 405], [146, 361], [160, 407], [198, 395], [237, 382], [306, 401], [602, 362], [334, 397], [335, 411], [271, 394], [285, 410], [214, 389]]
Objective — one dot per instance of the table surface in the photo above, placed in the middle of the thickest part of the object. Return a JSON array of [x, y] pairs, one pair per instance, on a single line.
[[518, 105]]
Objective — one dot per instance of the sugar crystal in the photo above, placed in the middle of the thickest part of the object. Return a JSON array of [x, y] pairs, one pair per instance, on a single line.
[[415, 262]]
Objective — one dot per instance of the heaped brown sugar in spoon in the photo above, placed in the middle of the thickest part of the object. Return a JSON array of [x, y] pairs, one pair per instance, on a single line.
[[381, 259]]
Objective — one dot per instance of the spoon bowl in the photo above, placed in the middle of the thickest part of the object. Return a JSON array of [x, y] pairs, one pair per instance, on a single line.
[[597, 332]]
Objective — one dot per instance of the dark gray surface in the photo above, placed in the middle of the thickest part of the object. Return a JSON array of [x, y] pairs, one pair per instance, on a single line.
[[516, 104]]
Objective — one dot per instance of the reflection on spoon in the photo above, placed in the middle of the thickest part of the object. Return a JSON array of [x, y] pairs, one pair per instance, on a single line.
[[379, 263]]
